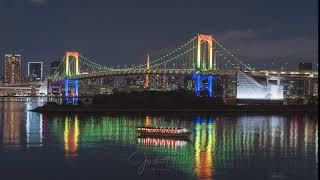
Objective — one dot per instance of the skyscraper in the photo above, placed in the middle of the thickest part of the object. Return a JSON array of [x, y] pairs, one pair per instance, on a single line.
[[12, 68], [35, 70]]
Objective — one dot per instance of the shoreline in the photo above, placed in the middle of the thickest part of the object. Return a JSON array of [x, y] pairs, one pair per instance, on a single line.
[[212, 109]]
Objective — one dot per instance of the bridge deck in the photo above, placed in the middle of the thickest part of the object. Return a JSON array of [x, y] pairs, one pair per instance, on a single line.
[[144, 71], [291, 74]]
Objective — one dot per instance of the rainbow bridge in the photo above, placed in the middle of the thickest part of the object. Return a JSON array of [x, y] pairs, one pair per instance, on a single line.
[[201, 57]]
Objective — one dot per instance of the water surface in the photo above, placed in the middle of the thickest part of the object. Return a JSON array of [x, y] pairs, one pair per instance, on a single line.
[[82, 146]]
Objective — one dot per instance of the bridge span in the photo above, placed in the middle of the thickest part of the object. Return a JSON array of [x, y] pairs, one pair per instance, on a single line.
[[201, 58]]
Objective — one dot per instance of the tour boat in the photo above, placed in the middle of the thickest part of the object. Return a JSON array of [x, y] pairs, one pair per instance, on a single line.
[[163, 132]]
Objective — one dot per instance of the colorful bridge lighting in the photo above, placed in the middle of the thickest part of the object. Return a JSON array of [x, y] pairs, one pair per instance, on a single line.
[[68, 64], [200, 85], [204, 63], [75, 83], [75, 70], [199, 54]]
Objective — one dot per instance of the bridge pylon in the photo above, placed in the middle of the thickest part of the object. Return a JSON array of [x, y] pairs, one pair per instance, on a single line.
[[204, 83], [71, 68], [206, 56]]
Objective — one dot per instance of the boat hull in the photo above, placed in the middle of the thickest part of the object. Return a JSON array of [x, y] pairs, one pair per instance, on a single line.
[[163, 133]]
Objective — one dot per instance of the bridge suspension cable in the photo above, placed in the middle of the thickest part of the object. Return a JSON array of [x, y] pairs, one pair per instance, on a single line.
[[93, 64], [182, 57], [56, 73], [172, 59], [101, 67], [174, 51], [155, 63], [232, 55]]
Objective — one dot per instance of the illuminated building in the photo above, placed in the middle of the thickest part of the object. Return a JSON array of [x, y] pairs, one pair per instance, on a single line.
[[35, 70], [300, 88], [12, 68], [250, 89]]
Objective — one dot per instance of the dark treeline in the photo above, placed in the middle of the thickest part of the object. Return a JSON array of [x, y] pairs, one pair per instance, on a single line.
[[174, 99], [169, 102]]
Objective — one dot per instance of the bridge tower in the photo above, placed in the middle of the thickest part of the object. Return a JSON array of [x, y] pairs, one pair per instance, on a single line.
[[206, 60], [206, 54], [146, 82], [71, 68]]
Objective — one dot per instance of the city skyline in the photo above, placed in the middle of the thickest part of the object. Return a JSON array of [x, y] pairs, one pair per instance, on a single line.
[[104, 33], [24, 63], [47, 66]]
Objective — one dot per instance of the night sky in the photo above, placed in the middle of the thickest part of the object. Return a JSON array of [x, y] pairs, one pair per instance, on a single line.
[[122, 32]]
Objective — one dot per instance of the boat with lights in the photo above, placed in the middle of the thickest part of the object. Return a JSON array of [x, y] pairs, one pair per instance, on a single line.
[[163, 132], [162, 142]]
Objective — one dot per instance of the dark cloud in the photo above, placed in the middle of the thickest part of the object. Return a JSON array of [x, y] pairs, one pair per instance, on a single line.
[[254, 45], [122, 31], [236, 35]]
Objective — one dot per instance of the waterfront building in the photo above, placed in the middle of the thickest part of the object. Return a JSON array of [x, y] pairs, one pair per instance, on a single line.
[[300, 88], [12, 68], [17, 91], [248, 89], [35, 70]]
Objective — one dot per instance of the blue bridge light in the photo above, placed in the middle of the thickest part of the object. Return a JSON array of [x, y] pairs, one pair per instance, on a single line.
[[204, 82]]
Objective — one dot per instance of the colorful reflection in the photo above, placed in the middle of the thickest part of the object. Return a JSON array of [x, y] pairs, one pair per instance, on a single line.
[[34, 128], [20, 127], [230, 144], [97, 131], [204, 147], [316, 133], [147, 121], [12, 124], [71, 136], [12, 129], [217, 146], [168, 143]]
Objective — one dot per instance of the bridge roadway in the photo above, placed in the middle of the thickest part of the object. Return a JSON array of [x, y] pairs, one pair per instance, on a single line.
[[263, 73], [285, 74], [145, 71]]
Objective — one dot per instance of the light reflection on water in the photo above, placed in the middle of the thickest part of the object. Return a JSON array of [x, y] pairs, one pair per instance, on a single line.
[[71, 136], [220, 147]]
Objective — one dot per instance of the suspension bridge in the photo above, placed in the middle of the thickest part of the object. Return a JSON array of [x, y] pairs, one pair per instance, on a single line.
[[201, 57]]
